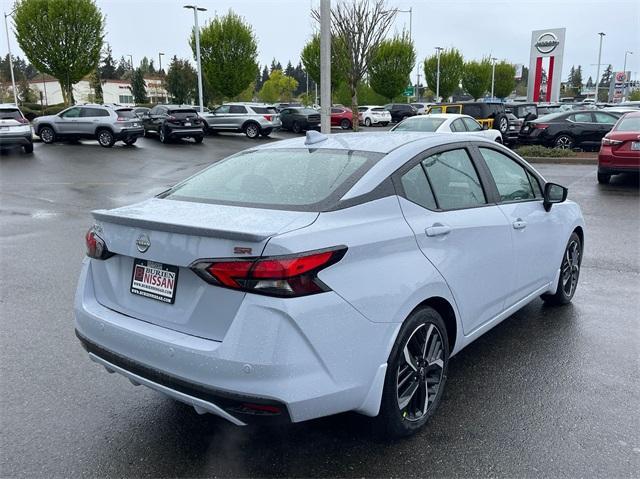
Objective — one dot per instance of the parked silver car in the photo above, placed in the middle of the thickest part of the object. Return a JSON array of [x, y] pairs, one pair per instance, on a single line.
[[106, 124], [14, 128], [252, 119]]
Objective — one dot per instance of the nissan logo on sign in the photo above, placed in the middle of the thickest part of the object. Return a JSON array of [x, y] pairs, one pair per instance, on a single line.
[[546, 43]]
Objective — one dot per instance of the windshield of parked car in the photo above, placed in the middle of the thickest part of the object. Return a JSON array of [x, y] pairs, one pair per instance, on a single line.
[[298, 179], [180, 114], [422, 124], [10, 114], [629, 123]]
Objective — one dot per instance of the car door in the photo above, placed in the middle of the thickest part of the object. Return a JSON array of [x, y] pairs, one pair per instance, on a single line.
[[582, 128], [220, 119], [604, 122], [67, 122], [147, 119], [475, 128], [532, 228], [458, 228], [89, 120], [237, 116]]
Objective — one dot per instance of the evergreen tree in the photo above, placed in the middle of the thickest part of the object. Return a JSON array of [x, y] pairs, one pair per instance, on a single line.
[[152, 68], [289, 70], [265, 75], [108, 64], [138, 87], [590, 82], [122, 68], [606, 76], [96, 85]]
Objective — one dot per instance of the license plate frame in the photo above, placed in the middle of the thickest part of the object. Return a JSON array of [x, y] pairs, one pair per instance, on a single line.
[[145, 272], [187, 123], [635, 146]]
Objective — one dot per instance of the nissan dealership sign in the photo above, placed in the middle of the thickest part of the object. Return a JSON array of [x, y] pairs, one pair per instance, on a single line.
[[547, 48]]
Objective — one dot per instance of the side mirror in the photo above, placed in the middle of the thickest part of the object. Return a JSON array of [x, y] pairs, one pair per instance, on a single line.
[[554, 193]]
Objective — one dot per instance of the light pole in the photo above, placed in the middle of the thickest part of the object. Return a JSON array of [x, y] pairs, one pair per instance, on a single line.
[[325, 66], [160, 54], [410, 12], [595, 100], [626, 80], [13, 79], [197, 9], [131, 61], [438, 49], [493, 74]]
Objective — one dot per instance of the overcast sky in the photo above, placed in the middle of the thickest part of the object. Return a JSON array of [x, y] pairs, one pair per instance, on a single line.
[[477, 27]]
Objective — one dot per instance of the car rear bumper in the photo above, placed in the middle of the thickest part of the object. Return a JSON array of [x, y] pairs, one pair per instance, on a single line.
[[283, 353], [126, 133], [185, 132], [16, 139], [611, 164]]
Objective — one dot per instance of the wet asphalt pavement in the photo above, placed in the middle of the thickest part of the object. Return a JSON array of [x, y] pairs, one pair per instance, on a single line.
[[551, 392]]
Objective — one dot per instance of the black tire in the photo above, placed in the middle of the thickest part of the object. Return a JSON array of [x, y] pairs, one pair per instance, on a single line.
[[129, 141], [501, 123], [296, 127], [266, 133], [428, 375], [162, 135], [345, 124], [28, 148], [564, 142], [367, 121], [105, 138], [252, 130], [603, 178], [47, 135], [146, 133], [569, 273], [198, 139], [499, 140], [385, 123], [205, 127]]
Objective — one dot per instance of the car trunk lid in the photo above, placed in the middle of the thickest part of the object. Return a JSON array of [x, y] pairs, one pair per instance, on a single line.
[[169, 235]]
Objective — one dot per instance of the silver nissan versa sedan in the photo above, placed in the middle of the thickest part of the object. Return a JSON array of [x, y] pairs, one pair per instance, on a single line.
[[323, 274]]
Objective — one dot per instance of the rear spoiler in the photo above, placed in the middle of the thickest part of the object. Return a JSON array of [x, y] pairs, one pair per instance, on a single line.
[[107, 217]]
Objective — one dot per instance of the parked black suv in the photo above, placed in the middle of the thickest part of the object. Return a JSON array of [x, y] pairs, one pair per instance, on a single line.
[[489, 115], [173, 121], [299, 119], [400, 111]]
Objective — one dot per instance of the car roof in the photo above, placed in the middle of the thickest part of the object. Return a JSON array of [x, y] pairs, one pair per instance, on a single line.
[[376, 142], [446, 116]]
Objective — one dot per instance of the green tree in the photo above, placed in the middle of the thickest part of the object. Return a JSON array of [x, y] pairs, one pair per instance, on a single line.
[[451, 68], [25, 93], [181, 80], [108, 64], [476, 77], [576, 80], [144, 65], [95, 83], [310, 57], [634, 96], [228, 51], [138, 87], [278, 87], [61, 41], [390, 66], [505, 81]]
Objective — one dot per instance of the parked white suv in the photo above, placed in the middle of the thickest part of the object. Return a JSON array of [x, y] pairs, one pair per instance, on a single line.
[[15, 129], [373, 115]]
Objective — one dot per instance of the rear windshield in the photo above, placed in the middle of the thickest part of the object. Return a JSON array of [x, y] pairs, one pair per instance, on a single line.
[[126, 113], [183, 113], [291, 179], [423, 124], [263, 109], [306, 111], [10, 114], [629, 123], [378, 109]]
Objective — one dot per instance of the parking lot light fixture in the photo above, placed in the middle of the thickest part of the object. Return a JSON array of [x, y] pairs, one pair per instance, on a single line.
[[13, 79], [160, 55], [197, 9], [438, 49]]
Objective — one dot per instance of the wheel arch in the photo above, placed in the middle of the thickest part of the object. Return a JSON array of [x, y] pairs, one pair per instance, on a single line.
[[446, 310], [580, 232], [42, 125], [249, 122], [103, 127]]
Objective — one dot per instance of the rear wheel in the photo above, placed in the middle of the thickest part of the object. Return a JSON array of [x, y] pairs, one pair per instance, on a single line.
[[367, 121], [345, 124], [252, 130], [47, 135], [266, 133], [564, 142], [499, 140], [603, 178], [129, 141], [384, 123], [106, 138], [28, 148], [569, 273], [162, 135], [296, 127], [416, 373], [198, 139], [501, 123]]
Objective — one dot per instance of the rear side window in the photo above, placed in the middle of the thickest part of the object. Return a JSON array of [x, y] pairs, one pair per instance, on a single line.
[[181, 114], [472, 110], [458, 126], [93, 112], [261, 110], [298, 179], [454, 180], [511, 178], [581, 118], [10, 114], [417, 189]]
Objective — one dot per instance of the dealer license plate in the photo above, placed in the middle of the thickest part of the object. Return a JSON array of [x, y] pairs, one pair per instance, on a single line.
[[4, 128], [635, 145], [154, 280]]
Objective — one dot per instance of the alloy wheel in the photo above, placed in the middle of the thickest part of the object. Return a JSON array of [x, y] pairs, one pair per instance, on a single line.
[[420, 372], [564, 142], [105, 138], [46, 134], [571, 268], [252, 131]]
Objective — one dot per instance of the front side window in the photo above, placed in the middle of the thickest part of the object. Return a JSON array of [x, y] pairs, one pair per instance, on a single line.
[[279, 178], [417, 189], [222, 109], [471, 124], [71, 113], [604, 118], [237, 109], [511, 178], [454, 180]]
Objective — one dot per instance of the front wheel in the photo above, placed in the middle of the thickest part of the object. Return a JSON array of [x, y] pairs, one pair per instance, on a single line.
[[569, 273], [129, 141], [603, 179], [28, 148], [266, 133], [416, 374], [47, 135], [198, 139], [345, 124], [367, 122], [384, 123], [296, 127]]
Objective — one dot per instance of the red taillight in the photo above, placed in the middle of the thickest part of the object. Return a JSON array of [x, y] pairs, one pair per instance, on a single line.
[[96, 247], [540, 126], [284, 276], [267, 117], [609, 142]]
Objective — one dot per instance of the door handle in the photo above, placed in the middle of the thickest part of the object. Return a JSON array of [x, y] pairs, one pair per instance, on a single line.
[[437, 229], [519, 224]]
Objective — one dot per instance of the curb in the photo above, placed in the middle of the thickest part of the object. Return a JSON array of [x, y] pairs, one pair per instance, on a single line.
[[562, 161]]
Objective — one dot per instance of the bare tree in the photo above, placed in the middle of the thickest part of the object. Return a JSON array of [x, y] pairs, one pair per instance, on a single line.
[[362, 25]]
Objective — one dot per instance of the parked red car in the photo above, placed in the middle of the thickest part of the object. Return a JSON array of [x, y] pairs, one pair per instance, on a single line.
[[620, 149], [342, 117]]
